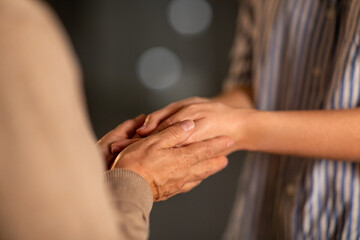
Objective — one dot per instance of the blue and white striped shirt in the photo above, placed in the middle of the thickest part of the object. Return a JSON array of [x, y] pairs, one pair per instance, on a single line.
[[298, 55]]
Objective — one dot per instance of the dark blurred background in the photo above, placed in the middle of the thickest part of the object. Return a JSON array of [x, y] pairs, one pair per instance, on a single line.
[[138, 56]]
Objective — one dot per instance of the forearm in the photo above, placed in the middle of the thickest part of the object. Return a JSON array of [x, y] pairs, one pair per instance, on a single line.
[[328, 134], [240, 97]]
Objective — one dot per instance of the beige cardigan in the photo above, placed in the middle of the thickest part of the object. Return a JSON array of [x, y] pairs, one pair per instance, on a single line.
[[51, 174]]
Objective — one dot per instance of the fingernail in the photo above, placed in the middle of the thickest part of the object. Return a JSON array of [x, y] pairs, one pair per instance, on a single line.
[[187, 125], [229, 144], [115, 149], [147, 119], [144, 125]]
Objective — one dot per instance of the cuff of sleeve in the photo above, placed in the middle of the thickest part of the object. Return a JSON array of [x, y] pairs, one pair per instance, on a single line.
[[126, 185]]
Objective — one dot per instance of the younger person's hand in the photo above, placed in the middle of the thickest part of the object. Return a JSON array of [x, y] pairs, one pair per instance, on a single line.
[[154, 119], [211, 118]]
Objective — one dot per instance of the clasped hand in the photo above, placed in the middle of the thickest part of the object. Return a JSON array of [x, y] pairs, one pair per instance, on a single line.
[[211, 118], [168, 168]]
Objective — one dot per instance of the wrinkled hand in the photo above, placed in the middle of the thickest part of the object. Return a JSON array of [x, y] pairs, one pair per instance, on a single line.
[[171, 170], [211, 118], [119, 138]]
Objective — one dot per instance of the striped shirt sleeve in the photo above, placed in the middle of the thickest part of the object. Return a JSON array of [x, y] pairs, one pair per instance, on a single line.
[[241, 54]]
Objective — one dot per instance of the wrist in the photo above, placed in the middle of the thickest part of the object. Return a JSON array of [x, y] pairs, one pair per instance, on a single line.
[[146, 175], [249, 123], [127, 185], [261, 130], [122, 162]]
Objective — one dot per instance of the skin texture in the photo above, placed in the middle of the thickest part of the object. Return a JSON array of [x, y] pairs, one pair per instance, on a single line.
[[168, 169], [330, 134]]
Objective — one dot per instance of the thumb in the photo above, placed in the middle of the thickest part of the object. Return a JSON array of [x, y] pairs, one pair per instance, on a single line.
[[175, 134]]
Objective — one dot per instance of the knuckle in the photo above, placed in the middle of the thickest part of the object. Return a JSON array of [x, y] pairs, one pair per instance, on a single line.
[[150, 144], [196, 155], [217, 144], [206, 174], [197, 175], [186, 189], [168, 122], [192, 108], [182, 159], [173, 131], [178, 185], [208, 152]]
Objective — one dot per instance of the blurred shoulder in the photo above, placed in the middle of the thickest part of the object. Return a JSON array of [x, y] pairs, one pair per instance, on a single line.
[[30, 21], [33, 38], [26, 13]]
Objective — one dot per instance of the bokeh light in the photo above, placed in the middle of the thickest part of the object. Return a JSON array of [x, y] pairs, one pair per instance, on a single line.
[[189, 16], [159, 68]]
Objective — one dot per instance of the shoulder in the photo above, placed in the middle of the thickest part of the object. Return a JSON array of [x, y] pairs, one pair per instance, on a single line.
[[33, 38], [25, 14]]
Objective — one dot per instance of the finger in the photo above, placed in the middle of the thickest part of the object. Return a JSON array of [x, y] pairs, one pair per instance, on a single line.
[[136, 136], [174, 135], [120, 145], [199, 151], [128, 128], [190, 186], [206, 168], [204, 131], [124, 130], [155, 118], [193, 112], [170, 121]]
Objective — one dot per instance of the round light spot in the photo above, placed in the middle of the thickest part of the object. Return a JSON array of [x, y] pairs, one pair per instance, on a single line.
[[189, 16], [159, 68]]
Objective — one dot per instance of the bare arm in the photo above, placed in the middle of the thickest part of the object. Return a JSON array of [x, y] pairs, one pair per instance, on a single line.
[[328, 134]]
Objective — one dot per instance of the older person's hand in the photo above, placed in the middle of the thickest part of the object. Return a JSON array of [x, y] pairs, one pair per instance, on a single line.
[[171, 170]]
